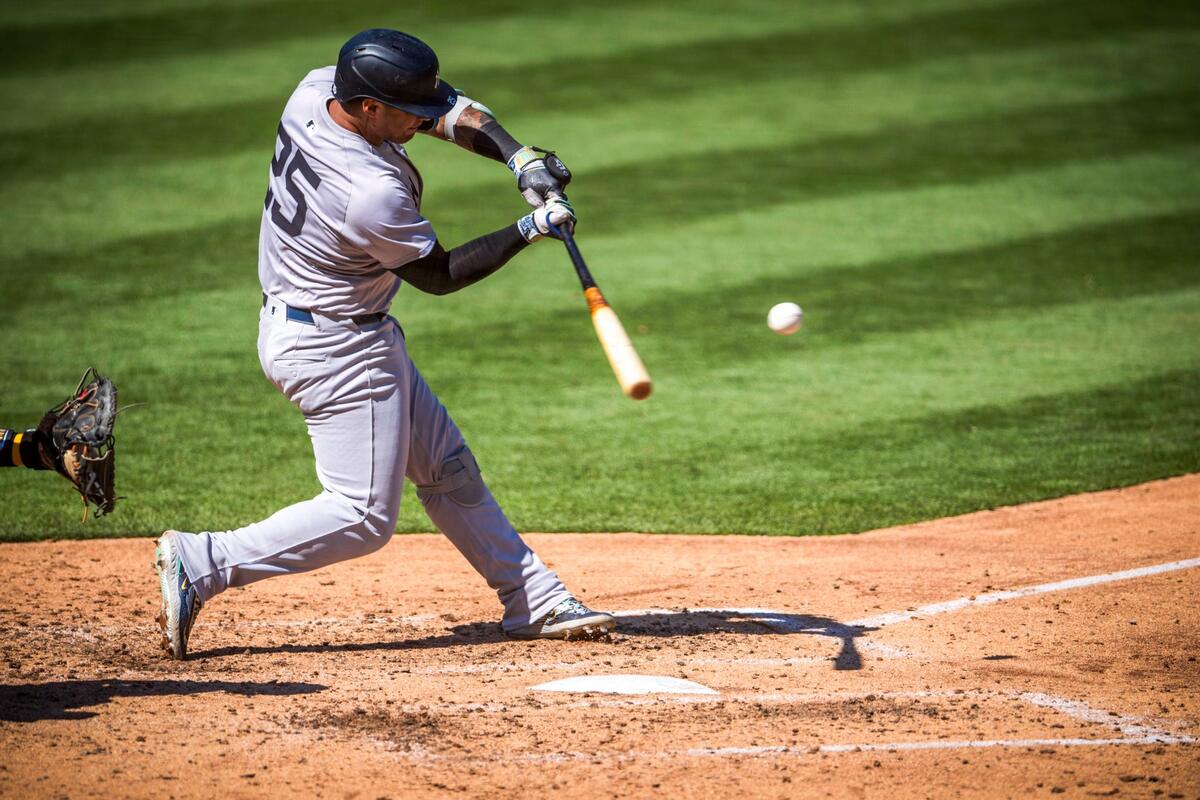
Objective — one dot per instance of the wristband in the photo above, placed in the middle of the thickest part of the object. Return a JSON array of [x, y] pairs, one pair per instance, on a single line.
[[528, 228], [522, 159]]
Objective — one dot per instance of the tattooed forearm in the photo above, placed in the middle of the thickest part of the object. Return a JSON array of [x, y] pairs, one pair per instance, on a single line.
[[479, 132]]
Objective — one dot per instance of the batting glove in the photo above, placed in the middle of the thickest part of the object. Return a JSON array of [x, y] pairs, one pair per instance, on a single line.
[[540, 174], [556, 212]]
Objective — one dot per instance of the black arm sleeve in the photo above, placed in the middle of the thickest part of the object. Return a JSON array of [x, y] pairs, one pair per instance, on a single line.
[[446, 271], [489, 139]]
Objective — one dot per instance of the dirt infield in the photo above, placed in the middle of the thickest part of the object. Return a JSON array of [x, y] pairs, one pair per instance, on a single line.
[[899, 662]]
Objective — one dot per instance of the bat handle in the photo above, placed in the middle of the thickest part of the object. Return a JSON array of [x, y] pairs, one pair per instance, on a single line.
[[568, 239]]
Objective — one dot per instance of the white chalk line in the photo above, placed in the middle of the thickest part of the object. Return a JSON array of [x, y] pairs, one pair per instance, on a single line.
[[1026, 591], [1129, 726], [761, 751], [1133, 731], [790, 622]]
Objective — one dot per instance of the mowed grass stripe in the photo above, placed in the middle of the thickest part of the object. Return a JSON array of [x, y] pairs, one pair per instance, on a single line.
[[144, 275], [904, 156], [943, 464], [235, 123], [1105, 68], [146, 87], [795, 240], [211, 459], [711, 184], [781, 423], [16, 18], [1110, 260], [907, 470], [852, 335], [161, 295], [166, 32], [678, 67]]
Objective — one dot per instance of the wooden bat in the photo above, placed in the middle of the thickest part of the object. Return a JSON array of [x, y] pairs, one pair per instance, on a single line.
[[626, 364]]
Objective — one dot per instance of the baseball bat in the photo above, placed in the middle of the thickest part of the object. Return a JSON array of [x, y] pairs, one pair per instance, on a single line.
[[622, 357]]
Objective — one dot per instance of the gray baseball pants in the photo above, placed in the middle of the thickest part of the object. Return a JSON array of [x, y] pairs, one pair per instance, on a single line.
[[372, 420]]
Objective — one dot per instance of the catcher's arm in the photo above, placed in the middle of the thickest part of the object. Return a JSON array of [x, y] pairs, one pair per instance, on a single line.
[[77, 438]]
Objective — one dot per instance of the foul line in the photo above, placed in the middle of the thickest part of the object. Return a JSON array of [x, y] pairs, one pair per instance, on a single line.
[[1027, 591]]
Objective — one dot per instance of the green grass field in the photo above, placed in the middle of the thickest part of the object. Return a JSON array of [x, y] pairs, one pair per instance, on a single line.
[[990, 212]]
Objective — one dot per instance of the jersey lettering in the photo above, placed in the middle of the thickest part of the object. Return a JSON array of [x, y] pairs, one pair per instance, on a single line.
[[288, 169]]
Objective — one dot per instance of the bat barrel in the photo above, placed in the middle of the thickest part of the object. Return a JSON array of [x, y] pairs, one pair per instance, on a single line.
[[626, 364]]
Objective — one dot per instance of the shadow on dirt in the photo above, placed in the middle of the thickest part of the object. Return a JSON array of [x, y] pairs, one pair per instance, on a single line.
[[654, 623], [29, 702], [474, 633], [669, 624]]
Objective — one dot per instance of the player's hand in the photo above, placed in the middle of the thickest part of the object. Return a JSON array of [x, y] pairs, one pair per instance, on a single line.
[[555, 212], [540, 174]]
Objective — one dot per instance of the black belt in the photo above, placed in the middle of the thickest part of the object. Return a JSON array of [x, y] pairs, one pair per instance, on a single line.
[[305, 316]]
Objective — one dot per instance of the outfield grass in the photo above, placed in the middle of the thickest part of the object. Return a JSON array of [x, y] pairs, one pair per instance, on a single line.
[[990, 212]]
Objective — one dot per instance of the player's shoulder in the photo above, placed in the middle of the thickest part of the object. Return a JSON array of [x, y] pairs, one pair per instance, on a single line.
[[312, 90], [319, 78]]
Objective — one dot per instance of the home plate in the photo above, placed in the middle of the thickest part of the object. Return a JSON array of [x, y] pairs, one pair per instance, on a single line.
[[625, 684]]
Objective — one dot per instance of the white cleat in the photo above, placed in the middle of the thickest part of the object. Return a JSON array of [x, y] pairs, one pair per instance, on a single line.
[[180, 602]]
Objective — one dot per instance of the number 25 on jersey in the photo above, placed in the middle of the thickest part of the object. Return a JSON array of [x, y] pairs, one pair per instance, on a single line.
[[281, 165]]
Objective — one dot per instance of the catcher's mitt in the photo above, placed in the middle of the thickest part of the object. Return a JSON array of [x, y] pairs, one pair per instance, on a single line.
[[76, 438]]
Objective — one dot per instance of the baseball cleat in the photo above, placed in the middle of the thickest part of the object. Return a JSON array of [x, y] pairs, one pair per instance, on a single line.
[[180, 602], [570, 619]]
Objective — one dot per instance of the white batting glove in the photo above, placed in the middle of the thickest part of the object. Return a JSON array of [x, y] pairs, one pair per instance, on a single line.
[[556, 212]]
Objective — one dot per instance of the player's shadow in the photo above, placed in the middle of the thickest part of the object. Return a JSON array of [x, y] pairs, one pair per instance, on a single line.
[[657, 623], [670, 624], [29, 702]]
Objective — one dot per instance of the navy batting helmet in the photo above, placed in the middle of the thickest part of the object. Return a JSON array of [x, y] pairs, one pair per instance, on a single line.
[[393, 68]]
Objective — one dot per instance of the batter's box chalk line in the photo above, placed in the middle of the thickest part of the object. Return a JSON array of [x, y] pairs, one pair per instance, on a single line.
[[1130, 730]]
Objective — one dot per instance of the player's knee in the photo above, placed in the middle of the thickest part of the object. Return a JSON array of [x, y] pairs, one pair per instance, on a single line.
[[457, 478], [373, 526], [380, 520], [378, 530]]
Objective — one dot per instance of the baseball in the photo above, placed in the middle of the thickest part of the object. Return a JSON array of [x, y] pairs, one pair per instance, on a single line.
[[785, 318]]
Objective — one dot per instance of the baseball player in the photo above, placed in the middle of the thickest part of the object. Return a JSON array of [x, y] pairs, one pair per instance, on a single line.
[[341, 231]]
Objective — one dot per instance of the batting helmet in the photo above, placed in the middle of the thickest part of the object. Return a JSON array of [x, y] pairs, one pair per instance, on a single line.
[[393, 68]]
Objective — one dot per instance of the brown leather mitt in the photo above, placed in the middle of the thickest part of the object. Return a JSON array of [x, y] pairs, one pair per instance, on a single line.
[[76, 439]]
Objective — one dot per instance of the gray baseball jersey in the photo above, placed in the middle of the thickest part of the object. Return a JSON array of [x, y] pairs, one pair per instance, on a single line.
[[339, 212]]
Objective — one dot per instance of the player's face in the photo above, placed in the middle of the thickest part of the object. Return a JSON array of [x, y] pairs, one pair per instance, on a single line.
[[397, 126]]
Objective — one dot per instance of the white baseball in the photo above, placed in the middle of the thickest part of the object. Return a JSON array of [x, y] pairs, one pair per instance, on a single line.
[[785, 318]]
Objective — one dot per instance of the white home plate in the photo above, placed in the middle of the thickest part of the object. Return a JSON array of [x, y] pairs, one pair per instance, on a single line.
[[625, 684]]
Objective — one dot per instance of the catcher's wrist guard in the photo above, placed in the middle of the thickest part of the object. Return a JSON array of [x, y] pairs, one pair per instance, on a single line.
[[75, 438]]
